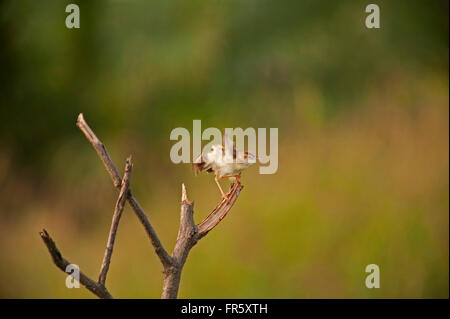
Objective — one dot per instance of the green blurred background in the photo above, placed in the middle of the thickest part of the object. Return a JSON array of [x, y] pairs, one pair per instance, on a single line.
[[363, 144]]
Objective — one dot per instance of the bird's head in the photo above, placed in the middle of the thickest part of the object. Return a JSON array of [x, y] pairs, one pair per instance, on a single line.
[[216, 148]]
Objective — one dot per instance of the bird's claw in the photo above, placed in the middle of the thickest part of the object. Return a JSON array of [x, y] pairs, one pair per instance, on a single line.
[[225, 196]]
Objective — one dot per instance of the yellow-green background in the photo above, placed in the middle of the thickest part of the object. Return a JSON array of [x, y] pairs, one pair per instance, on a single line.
[[363, 144]]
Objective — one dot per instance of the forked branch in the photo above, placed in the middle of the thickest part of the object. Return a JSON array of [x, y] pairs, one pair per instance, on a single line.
[[120, 204], [166, 260], [188, 234], [94, 287]]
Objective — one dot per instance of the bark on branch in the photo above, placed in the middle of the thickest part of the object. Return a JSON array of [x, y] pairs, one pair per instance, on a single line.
[[166, 260], [120, 204], [96, 288], [188, 234]]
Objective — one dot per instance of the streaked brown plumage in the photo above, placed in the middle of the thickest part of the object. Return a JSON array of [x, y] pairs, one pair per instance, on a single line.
[[224, 164]]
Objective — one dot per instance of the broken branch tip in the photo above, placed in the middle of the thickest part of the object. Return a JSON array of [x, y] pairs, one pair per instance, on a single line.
[[183, 193]]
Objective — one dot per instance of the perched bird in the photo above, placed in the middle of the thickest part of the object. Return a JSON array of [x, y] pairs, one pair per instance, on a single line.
[[225, 162]]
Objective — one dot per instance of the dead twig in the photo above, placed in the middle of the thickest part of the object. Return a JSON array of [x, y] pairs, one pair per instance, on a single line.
[[166, 260], [188, 234], [120, 204], [96, 288]]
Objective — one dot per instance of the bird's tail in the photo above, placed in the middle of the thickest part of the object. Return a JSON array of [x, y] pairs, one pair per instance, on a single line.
[[197, 167]]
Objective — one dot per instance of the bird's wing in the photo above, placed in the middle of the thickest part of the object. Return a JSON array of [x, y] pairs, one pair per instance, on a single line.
[[202, 162], [228, 144], [198, 164]]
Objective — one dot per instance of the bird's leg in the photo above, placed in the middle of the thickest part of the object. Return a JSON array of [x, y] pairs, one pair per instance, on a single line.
[[220, 188], [238, 177]]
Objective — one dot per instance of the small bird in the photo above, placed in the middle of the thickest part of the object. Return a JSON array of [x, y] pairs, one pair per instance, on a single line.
[[225, 162]]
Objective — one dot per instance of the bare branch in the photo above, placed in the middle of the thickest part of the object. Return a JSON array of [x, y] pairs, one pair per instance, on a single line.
[[186, 239], [221, 210], [189, 234], [165, 258], [96, 288], [120, 204], [100, 149]]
